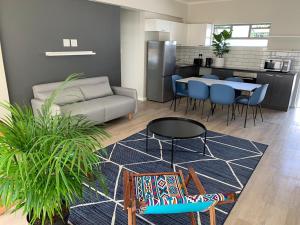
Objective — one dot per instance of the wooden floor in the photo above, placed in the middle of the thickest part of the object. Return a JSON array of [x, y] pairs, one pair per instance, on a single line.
[[272, 195]]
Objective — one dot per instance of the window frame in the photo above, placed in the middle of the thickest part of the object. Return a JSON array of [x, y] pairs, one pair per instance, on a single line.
[[249, 31]]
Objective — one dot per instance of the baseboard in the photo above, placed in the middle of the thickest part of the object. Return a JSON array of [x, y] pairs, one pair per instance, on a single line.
[[142, 99]]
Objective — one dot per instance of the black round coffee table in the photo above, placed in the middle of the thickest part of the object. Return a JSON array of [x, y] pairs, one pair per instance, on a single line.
[[176, 128]]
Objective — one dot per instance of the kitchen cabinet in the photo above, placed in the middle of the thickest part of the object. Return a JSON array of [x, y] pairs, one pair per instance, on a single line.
[[187, 70], [183, 34], [157, 25], [199, 34], [205, 71], [279, 91], [265, 78], [222, 73], [178, 33]]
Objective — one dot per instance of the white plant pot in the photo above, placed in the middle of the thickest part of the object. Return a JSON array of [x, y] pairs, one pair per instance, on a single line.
[[219, 62]]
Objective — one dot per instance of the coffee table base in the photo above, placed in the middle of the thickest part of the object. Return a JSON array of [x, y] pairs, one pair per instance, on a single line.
[[172, 148]]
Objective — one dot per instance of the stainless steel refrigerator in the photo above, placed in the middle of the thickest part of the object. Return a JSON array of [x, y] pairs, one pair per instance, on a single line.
[[161, 65]]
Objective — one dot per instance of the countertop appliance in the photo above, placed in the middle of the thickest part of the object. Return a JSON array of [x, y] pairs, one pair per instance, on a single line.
[[161, 65], [208, 62], [279, 65], [198, 61]]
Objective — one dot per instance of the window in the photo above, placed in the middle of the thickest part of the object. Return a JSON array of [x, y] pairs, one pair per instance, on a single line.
[[246, 34], [219, 28]]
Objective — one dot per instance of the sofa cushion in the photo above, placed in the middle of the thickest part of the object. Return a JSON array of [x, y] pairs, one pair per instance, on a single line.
[[105, 109], [117, 106], [66, 96], [98, 90], [91, 109]]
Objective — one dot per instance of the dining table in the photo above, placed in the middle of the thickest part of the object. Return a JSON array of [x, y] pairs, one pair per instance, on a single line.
[[241, 86]]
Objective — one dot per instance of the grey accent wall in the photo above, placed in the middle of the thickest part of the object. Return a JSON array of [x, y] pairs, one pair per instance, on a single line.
[[28, 28]]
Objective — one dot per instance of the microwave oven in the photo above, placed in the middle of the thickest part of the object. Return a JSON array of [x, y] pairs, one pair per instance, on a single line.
[[279, 65]]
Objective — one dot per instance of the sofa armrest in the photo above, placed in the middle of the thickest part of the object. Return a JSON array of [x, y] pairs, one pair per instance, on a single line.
[[129, 92], [37, 106]]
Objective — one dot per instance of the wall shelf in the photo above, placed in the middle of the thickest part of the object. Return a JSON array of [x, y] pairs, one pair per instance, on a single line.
[[70, 53]]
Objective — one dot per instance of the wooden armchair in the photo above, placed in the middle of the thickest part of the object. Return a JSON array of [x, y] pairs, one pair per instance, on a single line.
[[166, 193]]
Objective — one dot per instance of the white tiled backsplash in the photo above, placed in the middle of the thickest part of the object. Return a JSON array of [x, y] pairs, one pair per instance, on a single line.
[[239, 57]]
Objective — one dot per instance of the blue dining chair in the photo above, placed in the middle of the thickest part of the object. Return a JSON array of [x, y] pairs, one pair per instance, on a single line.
[[234, 79], [179, 89], [254, 100], [213, 77], [223, 95], [197, 90]]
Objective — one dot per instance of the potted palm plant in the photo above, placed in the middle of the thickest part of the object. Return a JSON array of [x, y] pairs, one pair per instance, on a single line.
[[44, 160], [221, 47], [2, 209]]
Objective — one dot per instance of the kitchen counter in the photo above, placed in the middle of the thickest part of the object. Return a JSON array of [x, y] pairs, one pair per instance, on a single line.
[[181, 65], [248, 70]]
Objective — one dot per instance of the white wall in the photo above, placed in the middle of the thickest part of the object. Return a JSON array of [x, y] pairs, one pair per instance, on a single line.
[[166, 7], [3, 85], [133, 51], [152, 15], [283, 14]]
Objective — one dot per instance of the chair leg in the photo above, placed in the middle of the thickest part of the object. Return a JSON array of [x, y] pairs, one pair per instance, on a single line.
[[213, 110], [212, 216], [242, 110], [234, 109], [179, 100], [134, 218], [202, 108], [233, 112], [194, 105], [253, 113], [193, 219], [191, 102], [262, 119], [228, 107], [246, 116], [175, 97], [130, 219], [210, 111], [187, 105], [172, 103], [256, 109]]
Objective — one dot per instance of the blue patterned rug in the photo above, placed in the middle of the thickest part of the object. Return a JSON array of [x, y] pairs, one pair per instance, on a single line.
[[226, 167]]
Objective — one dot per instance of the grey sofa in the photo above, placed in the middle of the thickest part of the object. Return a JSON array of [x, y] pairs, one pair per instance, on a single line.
[[92, 97]]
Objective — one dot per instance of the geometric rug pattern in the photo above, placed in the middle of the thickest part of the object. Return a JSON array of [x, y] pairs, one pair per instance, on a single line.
[[227, 166]]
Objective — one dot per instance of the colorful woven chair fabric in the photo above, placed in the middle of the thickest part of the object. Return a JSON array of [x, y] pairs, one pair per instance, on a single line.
[[164, 194]]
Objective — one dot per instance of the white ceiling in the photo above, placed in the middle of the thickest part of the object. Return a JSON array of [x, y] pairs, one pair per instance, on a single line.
[[193, 2]]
